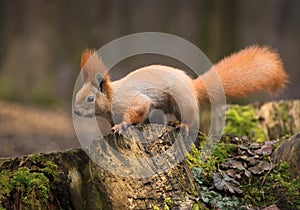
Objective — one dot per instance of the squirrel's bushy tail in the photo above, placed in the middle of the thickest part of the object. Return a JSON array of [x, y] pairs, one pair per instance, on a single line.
[[246, 72]]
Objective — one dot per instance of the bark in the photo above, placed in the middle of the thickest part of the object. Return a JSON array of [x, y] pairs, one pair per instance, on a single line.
[[288, 151], [86, 183], [279, 118], [276, 118]]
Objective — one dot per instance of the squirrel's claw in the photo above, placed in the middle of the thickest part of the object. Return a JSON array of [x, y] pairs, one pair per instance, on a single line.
[[183, 127], [120, 128]]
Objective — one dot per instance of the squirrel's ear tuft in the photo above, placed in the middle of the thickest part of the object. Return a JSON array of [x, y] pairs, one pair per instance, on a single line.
[[86, 54]]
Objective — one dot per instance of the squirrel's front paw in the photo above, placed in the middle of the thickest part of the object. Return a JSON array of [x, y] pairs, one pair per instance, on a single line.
[[120, 128]]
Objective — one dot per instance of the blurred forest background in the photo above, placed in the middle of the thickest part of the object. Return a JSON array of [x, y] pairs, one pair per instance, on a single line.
[[41, 41]]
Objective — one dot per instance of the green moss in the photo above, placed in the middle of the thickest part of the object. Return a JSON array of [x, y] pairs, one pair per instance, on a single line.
[[5, 185], [281, 139], [198, 206], [31, 185], [203, 174], [155, 207], [224, 150], [241, 120], [49, 168], [195, 158], [208, 166], [275, 187], [167, 203], [283, 112]]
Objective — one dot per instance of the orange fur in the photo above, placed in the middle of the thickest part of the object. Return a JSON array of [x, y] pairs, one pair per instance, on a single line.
[[90, 64], [136, 114], [86, 54], [244, 73]]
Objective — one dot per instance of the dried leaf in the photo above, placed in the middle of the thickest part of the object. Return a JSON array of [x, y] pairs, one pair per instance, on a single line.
[[270, 142], [251, 160], [242, 147], [231, 163], [247, 173], [272, 207], [231, 172], [254, 145], [251, 153], [238, 176], [242, 157], [264, 150], [260, 167], [224, 182]]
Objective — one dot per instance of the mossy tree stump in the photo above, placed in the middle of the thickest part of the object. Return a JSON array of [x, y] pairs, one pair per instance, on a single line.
[[86, 184], [279, 118]]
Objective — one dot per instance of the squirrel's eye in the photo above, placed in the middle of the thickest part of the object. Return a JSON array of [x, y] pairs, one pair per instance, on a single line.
[[90, 99]]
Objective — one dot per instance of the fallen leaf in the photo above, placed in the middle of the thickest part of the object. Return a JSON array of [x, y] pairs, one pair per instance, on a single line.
[[231, 163], [224, 182], [260, 167], [264, 150], [251, 160], [231, 172], [251, 153], [242, 147], [254, 145], [272, 207]]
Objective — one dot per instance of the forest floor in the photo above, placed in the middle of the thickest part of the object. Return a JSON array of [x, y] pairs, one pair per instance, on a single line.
[[27, 129]]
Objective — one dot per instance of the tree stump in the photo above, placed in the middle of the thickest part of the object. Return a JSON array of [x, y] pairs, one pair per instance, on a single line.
[[85, 183], [276, 118], [288, 151], [279, 118]]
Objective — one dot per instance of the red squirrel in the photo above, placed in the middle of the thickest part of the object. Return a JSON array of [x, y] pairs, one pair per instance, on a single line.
[[129, 101]]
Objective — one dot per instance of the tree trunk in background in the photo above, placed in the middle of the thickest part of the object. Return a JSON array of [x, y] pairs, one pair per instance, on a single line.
[[30, 42], [279, 118]]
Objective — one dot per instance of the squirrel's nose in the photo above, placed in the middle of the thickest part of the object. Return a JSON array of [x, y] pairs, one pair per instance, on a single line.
[[77, 112]]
